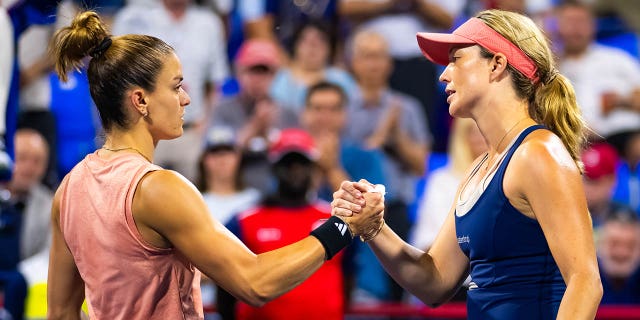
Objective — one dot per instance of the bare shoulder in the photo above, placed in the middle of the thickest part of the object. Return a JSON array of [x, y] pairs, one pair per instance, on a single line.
[[164, 195], [542, 152], [57, 196], [163, 183]]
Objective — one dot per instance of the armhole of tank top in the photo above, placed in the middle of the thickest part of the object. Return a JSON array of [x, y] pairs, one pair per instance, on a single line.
[[62, 199], [531, 129], [130, 220]]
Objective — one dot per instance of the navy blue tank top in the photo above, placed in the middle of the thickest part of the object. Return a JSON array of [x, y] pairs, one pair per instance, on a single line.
[[513, 273]]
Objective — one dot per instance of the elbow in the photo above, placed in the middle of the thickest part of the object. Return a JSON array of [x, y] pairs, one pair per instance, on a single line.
[[596, 284], [598, 290], [432, 302], [58, 313], [256, 297]]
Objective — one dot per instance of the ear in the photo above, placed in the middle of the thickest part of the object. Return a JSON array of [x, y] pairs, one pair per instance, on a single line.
[[139, 101], [498, 66]]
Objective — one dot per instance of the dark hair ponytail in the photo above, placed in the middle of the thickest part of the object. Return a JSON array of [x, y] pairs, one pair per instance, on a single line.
[[117, 64]]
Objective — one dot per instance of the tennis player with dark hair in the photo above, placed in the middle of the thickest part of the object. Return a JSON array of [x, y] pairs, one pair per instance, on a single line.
[[133, 236]]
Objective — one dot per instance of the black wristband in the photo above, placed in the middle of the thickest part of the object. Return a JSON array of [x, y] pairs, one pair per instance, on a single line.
[[334, 235]]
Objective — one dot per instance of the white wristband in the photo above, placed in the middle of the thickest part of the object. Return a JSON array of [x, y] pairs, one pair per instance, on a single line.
[[380, 189]]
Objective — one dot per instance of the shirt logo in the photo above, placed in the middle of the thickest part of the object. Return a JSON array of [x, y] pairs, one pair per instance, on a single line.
[[341, 227], [268, 234], [463, 239]]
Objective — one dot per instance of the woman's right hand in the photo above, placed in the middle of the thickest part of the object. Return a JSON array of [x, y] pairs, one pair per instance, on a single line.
[[360, 205], [349, 198]]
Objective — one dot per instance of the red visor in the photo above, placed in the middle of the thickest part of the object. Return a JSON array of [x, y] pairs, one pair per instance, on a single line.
[[436, 46]]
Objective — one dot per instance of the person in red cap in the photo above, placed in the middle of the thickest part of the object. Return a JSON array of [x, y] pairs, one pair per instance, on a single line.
[[286, 216], [600, 164], [252, 113], [519, 225]]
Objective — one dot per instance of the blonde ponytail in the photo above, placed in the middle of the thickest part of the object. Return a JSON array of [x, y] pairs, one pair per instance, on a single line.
[[556, 107], [552, 100]]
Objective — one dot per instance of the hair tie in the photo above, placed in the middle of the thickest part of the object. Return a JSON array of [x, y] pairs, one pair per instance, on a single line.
[[552, 76], [101, 48]]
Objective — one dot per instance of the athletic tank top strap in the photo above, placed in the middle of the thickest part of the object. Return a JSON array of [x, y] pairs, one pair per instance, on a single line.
[[503, 166]]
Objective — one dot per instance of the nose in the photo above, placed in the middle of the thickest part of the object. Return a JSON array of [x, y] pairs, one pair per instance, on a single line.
[[444, 76], [184, 99]]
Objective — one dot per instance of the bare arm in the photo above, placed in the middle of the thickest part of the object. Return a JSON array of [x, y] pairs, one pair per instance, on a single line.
[[556, 198], [434, 14], [65, 287], [390, 131], [411, 152], [358, 9], [433, 276], [172, 207]]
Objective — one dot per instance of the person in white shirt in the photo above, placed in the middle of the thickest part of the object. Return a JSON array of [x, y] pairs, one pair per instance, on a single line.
[[606, 79]]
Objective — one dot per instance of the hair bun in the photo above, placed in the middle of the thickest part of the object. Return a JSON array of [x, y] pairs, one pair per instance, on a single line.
[[71, 44]]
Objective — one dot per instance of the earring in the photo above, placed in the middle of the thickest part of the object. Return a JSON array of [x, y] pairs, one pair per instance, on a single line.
[[145, 113]]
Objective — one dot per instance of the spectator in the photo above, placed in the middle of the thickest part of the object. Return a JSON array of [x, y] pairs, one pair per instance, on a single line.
[[386, 120], [325, 118], [25, 222], [219, 176], [398, 22], [197, 35], [293, 156], [6, 74], [310, 63], [600, 164], [627, 188], [619, 258], [279, 21], [27, 17], [466, 144], [219, 180], [252, 114], [6, 61], [606, 79]]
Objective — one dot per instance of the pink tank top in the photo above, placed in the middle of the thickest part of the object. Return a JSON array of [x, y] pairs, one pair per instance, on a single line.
[[125, 277]]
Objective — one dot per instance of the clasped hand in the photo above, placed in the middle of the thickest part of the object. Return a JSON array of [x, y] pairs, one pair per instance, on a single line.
[[361, 206]]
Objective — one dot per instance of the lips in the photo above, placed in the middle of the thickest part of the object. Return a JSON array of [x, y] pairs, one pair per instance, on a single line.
[[449, 93]]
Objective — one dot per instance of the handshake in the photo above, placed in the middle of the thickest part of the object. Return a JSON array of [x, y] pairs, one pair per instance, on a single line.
[[361, 206]]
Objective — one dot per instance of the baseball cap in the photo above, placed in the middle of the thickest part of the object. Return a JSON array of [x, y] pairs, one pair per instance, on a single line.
[[436, 46], [220, 137], [293, 140], [255, 52], [599, 160]]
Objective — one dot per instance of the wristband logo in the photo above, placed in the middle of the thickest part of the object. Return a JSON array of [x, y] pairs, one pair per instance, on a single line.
[[342, 227]]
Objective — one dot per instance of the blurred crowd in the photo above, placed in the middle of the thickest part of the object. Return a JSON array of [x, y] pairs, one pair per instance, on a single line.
[[291, 97]]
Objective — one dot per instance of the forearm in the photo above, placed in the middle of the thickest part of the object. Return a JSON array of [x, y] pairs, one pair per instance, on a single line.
[[357, 9], [276, 272], [581, 299], [335, 176], [412, 268], [61, 305], [435, 15], [38, 69], [412, 153], [247, 132], [54, 313]]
